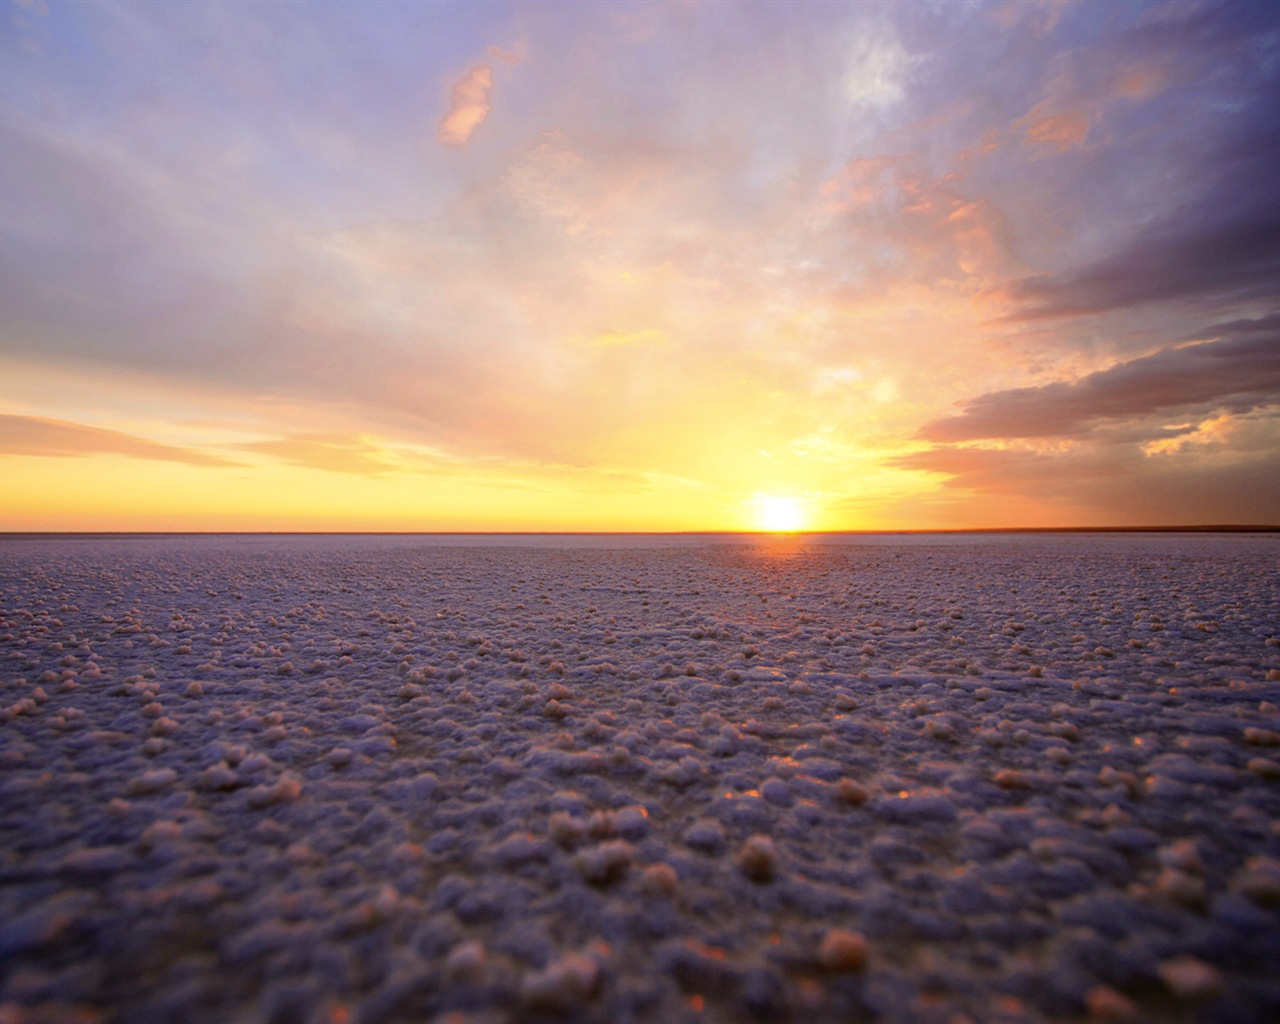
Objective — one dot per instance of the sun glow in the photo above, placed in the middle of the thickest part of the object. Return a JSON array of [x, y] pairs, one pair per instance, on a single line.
[[780, 515]]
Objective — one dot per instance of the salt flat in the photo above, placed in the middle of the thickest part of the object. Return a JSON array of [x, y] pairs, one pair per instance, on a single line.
[[343, 779]]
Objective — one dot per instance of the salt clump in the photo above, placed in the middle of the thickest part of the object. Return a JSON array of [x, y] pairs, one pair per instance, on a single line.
[[842, 950], [149, 782], [604, 863], [1260, 880], [563, 984], [1107, 1006], [706, 835], [466, 962], [758, 859], [659, 878], [1190, 978]]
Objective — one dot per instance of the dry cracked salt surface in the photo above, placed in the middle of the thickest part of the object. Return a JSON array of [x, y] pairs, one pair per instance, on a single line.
[[344, 779]]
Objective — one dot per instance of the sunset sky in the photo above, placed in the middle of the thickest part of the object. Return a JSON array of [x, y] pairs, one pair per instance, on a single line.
[[638, 266]]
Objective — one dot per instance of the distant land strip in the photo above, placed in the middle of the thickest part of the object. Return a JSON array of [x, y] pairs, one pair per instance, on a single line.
[[90, 534]]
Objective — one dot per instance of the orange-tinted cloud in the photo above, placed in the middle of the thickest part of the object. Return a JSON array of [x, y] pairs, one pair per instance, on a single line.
[[512, 58], [1239, 375], [1141, 83], [861, 182], [1062, 131], [1188, 434], [468, 106], [37, 435], [1215, 430], [325, 451], [1117, 484]]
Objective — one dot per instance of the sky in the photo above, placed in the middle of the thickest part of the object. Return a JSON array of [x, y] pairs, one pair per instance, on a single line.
[[638, 266]]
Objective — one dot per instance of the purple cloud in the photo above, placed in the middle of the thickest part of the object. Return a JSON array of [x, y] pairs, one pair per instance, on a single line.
[[1213, 238], [1235, 375]]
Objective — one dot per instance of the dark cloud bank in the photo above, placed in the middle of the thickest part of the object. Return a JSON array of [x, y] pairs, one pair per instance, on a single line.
[[1236, 375]]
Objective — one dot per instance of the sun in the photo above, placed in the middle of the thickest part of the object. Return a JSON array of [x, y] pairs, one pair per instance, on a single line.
[[780, 515]]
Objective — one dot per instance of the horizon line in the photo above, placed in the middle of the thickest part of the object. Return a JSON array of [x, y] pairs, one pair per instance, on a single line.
[[1191, 528]]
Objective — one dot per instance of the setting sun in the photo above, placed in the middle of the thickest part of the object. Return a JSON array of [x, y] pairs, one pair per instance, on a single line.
[[780, 515]]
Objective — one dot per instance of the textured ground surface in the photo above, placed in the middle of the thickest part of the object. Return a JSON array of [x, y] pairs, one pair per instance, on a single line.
[[353, 780]]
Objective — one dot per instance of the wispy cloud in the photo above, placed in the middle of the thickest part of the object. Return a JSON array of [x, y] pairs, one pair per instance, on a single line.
[[1061, 131], [512, 57], [877, 68], [39, 436], [327, 452]]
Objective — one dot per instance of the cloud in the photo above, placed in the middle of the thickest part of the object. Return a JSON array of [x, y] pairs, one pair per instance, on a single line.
[[1192, 222], [901, 226], [1183, 258], [1061, 131], [612, 338], [513, 58], [1215, 430], [1189, 434], [328, 452], [1236, 375], [878, 68], [1118, 485], [468, 106], [36, 435]]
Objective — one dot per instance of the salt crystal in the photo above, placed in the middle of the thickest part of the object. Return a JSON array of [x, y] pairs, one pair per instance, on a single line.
[[659, 878], [777, 792], [1183, 855], [853, 793], [841, 950], [758, 859], [605, 863], [284, 790], [466, 962], [1180, 887], [1010, 778], [1260, 879], [705, 835], [155, 781], [1107, 1006], [1190, 978], [562, 985]]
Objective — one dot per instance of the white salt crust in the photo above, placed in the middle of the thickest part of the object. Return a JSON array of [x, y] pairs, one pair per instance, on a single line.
[[410, 779]]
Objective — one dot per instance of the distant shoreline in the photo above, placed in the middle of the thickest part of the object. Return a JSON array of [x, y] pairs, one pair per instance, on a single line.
[[978, 531]]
